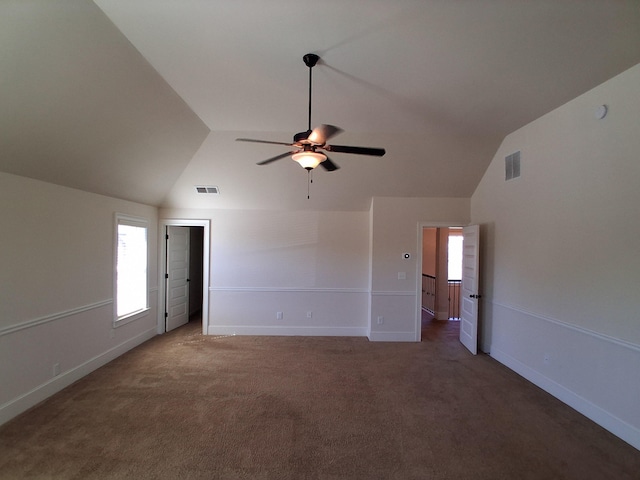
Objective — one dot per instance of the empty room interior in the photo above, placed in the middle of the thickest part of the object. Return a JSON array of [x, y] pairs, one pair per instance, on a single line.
[[146, 179]]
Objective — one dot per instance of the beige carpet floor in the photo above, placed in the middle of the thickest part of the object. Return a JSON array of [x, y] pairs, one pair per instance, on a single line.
[[185, 406]]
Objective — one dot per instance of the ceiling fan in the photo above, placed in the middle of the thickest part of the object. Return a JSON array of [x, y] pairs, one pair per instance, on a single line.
[[308, 147]]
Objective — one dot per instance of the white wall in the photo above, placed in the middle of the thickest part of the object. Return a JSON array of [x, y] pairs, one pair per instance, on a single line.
[[294, 262], [396, 229], [429, 245], [56, 288], [341, 266], [561, 255]]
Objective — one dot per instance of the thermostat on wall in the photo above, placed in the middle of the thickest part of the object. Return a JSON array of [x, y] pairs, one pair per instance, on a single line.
[[406, 255]]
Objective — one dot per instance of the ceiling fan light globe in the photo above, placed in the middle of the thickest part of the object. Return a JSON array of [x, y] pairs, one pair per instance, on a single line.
[[309, 160]]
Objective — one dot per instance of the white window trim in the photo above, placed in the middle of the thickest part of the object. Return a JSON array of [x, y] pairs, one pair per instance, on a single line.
[[124, 219]]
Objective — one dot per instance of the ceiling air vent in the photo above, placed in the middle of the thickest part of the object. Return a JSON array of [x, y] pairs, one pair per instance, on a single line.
[[207, 189], [512, 166]]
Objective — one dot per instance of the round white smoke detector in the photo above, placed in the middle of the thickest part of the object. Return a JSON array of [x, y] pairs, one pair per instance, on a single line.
[[601, 112]]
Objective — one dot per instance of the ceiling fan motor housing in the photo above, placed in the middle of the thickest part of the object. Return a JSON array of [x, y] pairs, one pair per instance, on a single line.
[[298, 137]]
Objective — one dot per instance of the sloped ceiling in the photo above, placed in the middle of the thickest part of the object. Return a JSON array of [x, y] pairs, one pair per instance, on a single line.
[[80, 107], [437, 83]]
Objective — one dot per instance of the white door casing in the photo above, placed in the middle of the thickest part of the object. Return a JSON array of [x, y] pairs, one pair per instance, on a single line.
[[177, 280], [470, 288]]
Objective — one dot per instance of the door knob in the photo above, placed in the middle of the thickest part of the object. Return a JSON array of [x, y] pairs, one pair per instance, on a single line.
[[475, 296]]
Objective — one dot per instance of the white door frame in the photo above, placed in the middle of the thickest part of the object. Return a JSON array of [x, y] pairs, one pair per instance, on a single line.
[[421, 226], [183, 222]]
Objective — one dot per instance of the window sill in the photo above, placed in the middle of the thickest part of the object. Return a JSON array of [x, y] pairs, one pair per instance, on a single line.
[[132, 317]]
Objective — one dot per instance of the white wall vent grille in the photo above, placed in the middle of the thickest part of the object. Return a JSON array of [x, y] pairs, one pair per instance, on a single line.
[[512, 166], [207, 189]]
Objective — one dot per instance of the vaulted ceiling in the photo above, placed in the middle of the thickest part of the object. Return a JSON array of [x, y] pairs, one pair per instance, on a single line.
[[143, 99]]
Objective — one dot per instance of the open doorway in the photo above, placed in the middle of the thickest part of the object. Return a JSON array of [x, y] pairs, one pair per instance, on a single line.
[[196, 247], [183, 279], [184, 273], [441, 274]]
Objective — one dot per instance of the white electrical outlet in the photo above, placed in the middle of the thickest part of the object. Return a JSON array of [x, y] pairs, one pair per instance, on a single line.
[[380, 320], [279, 315], [56, 369], [309, 314], [402, 275], [547, 359]]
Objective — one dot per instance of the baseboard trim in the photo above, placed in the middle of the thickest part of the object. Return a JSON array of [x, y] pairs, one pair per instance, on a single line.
[[292, 331], [20, 404], [392, 336], [393, 293], [618, 427]]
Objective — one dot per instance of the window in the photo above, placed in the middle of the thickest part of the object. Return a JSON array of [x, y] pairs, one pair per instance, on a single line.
[[455, 257], [131, 299]]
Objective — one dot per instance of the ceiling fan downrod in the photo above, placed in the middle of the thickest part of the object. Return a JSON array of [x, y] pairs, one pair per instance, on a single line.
[[310, 60]]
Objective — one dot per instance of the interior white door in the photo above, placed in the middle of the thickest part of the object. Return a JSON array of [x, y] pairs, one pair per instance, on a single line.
[[470, 288], [177, 278]]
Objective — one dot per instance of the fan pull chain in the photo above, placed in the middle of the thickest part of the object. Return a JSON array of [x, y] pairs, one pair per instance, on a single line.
[[309, 182]]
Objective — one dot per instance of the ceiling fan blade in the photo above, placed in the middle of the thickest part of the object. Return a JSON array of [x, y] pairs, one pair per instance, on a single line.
[[277, 157], [322, 133], [263, 141], [376, 152], [328, 165]]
